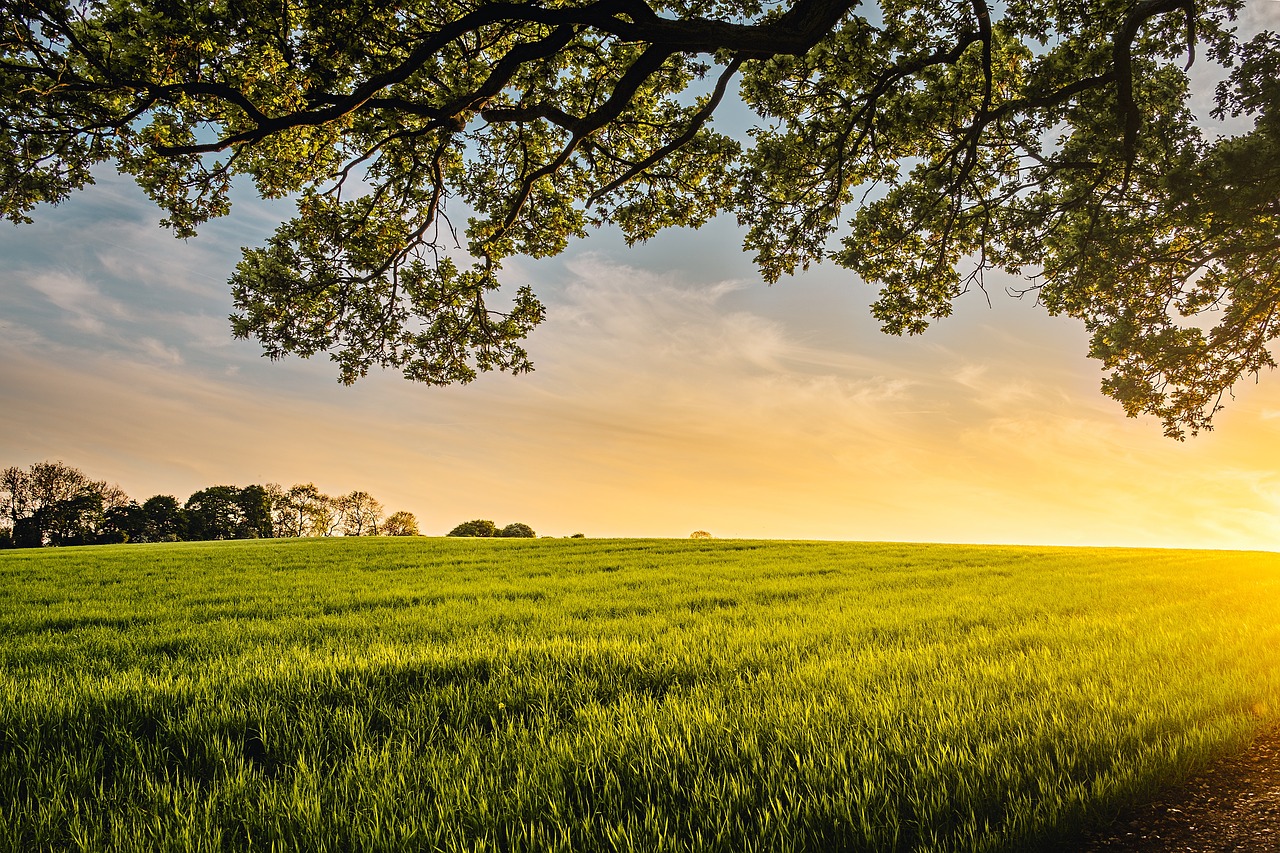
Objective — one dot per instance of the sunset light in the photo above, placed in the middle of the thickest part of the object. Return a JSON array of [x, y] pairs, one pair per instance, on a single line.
[[673, 391], [639, 426]]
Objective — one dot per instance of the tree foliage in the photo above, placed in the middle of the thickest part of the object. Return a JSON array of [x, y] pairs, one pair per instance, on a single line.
[[400, 523], [477, 527], [25, 492], [517, 530], [215, 513], [360, 514], [166, 521], [55, 504], [302, 510], [920, 144], [126, 523], [74, 521]]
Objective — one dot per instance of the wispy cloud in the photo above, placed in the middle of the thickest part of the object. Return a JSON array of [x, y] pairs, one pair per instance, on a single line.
[[83, 306]]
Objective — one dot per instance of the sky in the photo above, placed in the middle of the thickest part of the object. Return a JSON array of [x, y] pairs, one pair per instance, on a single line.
[[674, 391]]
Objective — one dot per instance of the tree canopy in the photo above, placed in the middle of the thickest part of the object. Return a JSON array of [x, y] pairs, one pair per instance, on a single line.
[[56, 503], [400, 523], [476, 527], [919, 143]]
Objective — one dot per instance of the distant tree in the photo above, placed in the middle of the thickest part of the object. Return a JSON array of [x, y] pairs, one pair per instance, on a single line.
[[214, 513], [700, 534], [340, 504], [578, 536], [15, 493], [27, 533], [101, 513], [400, 523], [126, 523], [478, 527], [282, 516], [517, 530], [113, 497], [306, 511], [166, 520], [27, 498], [51, 482], [74, 521], [327, 516], [360, 514], [24, 531], [52, 503], [255, 511]]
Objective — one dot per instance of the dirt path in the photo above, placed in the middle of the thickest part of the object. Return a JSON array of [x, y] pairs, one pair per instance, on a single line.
[[1234, 807]]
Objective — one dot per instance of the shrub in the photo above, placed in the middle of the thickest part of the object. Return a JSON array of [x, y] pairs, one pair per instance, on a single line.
[[517, 530], [478, 527], [700, 534], [401, 524], [578, 536]]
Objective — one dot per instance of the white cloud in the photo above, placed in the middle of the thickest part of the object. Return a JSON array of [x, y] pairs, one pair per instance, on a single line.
[[83, 305], [160, 351]]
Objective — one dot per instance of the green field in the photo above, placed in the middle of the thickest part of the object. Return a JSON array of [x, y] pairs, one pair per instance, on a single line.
[[646, 695]]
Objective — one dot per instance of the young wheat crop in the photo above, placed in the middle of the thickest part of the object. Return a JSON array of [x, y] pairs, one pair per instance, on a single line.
[[646, 695]]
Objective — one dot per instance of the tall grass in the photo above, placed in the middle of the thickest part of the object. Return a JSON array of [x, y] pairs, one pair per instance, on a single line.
[[645, 695]]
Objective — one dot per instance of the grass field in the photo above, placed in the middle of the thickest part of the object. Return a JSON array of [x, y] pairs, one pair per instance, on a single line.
[[646, 695]]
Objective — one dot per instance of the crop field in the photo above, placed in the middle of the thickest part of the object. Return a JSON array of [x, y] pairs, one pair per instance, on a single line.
[[589, 695]]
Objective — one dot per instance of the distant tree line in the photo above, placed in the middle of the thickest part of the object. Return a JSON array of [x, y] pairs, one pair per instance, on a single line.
[[484, 527], [52, 504]]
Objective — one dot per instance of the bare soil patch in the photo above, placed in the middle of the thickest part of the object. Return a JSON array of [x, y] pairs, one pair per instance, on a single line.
[[1235, 806]]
